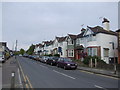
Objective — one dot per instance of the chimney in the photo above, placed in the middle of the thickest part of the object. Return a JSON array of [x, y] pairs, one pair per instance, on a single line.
[[105, 23]]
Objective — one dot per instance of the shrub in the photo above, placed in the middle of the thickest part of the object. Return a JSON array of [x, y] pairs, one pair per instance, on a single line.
[[50, 55], [57, 55], [88, 58]]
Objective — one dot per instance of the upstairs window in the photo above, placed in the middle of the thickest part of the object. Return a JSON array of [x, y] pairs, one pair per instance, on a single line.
[[70, 42], [106, 52]]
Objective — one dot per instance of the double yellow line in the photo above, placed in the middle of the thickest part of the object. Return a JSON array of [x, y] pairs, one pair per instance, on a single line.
[[26, 79]]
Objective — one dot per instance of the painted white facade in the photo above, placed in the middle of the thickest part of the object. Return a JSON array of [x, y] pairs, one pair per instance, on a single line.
[[102, 40], [63, 46]]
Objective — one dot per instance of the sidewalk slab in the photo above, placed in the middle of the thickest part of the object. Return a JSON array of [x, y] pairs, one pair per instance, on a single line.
[[100, 71]]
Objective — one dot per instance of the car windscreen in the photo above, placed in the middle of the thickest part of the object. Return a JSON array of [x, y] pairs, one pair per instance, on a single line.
[[67, 60]]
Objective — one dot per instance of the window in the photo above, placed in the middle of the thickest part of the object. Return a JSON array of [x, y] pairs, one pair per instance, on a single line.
[[92, 51], [71, 53], [70, 42], [106, 52]]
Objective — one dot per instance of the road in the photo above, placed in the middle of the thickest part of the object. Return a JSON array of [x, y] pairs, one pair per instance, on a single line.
[[41, 75]]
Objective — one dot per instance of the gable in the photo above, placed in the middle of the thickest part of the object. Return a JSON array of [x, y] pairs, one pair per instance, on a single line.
[[88, 32], [55, 41]]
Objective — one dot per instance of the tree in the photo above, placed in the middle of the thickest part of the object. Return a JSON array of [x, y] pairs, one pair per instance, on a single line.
[[30, 51], [22, 51]]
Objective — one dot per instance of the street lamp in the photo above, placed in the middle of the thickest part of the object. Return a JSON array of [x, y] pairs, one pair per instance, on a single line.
[[114, 56]]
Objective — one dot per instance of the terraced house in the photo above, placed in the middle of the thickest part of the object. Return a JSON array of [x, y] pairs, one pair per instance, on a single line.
[[60, 46], [96, 41], [92, 41], [71, 46]]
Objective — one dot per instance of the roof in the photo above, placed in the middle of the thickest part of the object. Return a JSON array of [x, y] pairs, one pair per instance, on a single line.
[[72, 36], [118, 30], [61, 39], [48, 42], [81, 34], [39, 45], [99, 29]]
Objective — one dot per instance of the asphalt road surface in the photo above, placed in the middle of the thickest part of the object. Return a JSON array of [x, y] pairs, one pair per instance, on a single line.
[[41, 75]]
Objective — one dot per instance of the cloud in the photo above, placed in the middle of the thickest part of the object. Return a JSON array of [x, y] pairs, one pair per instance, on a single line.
[[34, 22]]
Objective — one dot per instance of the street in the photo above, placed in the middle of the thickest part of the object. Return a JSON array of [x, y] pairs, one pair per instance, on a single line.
[[41, 75]]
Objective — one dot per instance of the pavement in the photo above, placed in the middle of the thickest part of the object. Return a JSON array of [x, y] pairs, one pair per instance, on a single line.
[[0, 76], [40, 75], [10, 74], [100, 71]]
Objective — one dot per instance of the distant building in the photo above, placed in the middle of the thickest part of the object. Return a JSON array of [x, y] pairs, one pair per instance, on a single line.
[[4, 52], [60, 46], [118, 31]]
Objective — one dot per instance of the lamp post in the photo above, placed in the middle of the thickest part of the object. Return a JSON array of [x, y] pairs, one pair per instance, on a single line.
[[114, 57]]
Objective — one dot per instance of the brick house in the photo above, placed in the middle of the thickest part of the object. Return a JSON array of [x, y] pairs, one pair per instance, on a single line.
[[118, 31]]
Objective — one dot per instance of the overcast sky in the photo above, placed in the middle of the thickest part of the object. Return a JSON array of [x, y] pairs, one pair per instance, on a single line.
[[31, 23]]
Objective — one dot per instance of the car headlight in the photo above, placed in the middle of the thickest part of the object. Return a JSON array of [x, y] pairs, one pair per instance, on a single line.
[[53, 60], [68, 64], [76, 64]]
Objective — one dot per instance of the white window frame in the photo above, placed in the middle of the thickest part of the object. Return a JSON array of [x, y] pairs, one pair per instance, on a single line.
[[70, 51], [91, 51]]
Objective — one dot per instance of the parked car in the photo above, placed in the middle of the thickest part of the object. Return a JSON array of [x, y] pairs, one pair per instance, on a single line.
[[25, 55], [66, 63], [44, 59], [30, 56], [52, 60], [37, 57]]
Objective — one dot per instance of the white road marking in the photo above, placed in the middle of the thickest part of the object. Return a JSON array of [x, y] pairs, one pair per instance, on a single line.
[[43, 66], [13, 74], [19, 78], [100, 87], [64, 74]]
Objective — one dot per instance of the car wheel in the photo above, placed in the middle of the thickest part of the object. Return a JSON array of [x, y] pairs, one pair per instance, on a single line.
[[65, 67], [57, 65], [51, 63]]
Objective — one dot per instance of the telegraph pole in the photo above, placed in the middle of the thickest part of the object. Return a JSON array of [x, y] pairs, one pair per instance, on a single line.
[[16, 48]]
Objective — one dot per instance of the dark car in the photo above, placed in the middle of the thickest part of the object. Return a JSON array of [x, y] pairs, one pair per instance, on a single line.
[[52, 60], [66, 63], [44, 59]]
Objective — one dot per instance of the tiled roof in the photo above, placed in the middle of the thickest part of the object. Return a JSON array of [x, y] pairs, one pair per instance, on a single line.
[[48, 42], [81, 34], [99, 29], [39, 45], [118, 30], [61, 39], [72, 36]]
